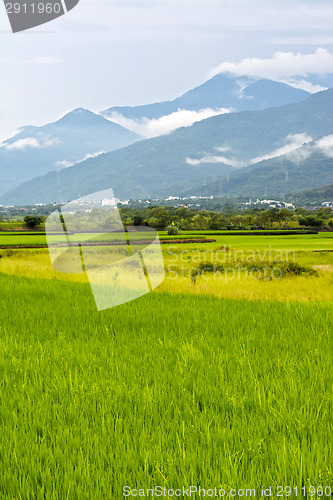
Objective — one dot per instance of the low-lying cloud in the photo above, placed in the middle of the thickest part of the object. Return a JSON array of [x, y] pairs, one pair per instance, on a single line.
[[210, 158], [28, 142], [300, 154], [282, 66], [31, 143], [291, 144], [92, 155], [305, 85], [325, 145], [65, 163], [166, 124]]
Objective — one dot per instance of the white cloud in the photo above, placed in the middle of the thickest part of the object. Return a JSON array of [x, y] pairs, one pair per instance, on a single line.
[[292, 143], [93, 155], [32, 143], [66, 163], [49, 141], [325, 145], [300, 154], [223, 149], [212, 159], [149, 128], [305, 85], [154, 50], [29, 142], [281, 65], [296, 153]]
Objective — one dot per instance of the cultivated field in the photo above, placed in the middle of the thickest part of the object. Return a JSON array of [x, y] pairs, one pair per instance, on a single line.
[[221, 377]]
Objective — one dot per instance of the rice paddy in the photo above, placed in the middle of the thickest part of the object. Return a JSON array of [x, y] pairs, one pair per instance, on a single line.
[[201, 382]]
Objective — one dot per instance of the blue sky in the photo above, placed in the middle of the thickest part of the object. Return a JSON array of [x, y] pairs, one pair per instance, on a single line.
[[107, 52]]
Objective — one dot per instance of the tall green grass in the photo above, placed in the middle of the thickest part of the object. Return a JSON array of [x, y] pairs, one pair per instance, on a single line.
[[168, 390]]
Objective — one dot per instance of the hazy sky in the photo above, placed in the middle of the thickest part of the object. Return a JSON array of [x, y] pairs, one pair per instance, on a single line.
[[127, 52]]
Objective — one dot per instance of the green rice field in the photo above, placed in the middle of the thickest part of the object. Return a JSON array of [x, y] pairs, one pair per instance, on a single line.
[[211, 380]]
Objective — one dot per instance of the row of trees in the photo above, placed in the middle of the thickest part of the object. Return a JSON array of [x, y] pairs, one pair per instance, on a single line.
[[187, 219]]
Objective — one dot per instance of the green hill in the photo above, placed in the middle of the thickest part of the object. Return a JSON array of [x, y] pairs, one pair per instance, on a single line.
[[271, 178], [164, 165], [319, 195]]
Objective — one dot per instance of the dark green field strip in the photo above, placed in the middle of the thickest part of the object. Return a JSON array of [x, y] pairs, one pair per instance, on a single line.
[[263, 232], [21, 233], [322, 251], [106, 243], [184, 234], [299, 242], [27, 234], [22, 247], [168, 390], [260, 233]]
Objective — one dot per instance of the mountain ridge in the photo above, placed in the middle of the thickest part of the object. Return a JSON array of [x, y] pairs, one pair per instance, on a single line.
[[156, 167], [36, 150], [309, 166], [221, 91]]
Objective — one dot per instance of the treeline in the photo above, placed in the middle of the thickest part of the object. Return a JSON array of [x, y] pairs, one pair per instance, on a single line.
[[192, 219], [185, 219]]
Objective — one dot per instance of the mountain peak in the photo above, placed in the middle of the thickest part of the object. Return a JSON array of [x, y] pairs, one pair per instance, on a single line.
[[80, 113], [76, 136], [81, 117], [224, 90], [193, 160]]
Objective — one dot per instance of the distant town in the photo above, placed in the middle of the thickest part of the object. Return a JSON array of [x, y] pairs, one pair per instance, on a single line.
[[191, 213]]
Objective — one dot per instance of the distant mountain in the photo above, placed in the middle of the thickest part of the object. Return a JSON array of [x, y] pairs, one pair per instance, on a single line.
[[214, 147], [37, 150], [307, 167], [222, 91]]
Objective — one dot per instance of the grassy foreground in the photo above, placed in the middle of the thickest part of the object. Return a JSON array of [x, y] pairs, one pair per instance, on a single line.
[[168, 390], [312, 252]]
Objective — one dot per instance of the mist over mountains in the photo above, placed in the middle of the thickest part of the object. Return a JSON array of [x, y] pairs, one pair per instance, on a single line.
[[77, 136], [309, 166], [82, 134], [247, 152], [221, 94]]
